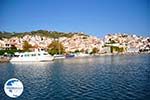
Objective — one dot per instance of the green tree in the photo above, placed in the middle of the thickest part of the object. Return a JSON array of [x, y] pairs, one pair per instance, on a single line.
[[26, 46], [2, 52], [118, 49], [82, 50], [56, 48], [76, 51], [95, 50], [13, 47]]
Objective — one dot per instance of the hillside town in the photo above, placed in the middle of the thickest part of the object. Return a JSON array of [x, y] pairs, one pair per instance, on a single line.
[[84, 43]]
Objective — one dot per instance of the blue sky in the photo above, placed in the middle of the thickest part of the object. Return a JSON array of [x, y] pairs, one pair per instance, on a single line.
[[95, 17]]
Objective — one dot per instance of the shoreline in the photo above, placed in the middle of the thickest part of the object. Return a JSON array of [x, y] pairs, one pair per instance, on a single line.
[[4, 59], [7, 59]]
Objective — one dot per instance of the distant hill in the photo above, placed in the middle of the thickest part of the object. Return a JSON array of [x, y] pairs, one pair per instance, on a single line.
[[5, 35], [45, 33]]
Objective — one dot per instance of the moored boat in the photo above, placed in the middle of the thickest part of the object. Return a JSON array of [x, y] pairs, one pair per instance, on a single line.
[[59, 56], [78, 55], [32, 56], [70, 56]]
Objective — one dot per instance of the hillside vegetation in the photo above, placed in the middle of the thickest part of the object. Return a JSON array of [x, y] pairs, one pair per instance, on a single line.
[[50, 34]]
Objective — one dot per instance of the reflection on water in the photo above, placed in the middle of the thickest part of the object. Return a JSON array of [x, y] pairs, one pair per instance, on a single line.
[[107, 77], [31, 69]]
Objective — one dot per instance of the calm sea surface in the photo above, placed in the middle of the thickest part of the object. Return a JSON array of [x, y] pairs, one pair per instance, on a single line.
[[124, 77]]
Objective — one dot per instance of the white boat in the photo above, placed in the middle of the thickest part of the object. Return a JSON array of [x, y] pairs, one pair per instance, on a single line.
[[59, 56], [78, 55], [32, 57]]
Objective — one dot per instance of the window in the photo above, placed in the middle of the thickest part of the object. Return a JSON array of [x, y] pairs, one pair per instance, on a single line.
[[16, 55], [33, 54], [44, 53], [26, 55]]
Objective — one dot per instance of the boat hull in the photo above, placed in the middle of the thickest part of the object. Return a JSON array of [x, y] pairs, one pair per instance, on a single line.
[[59, 57], [31, 59]]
